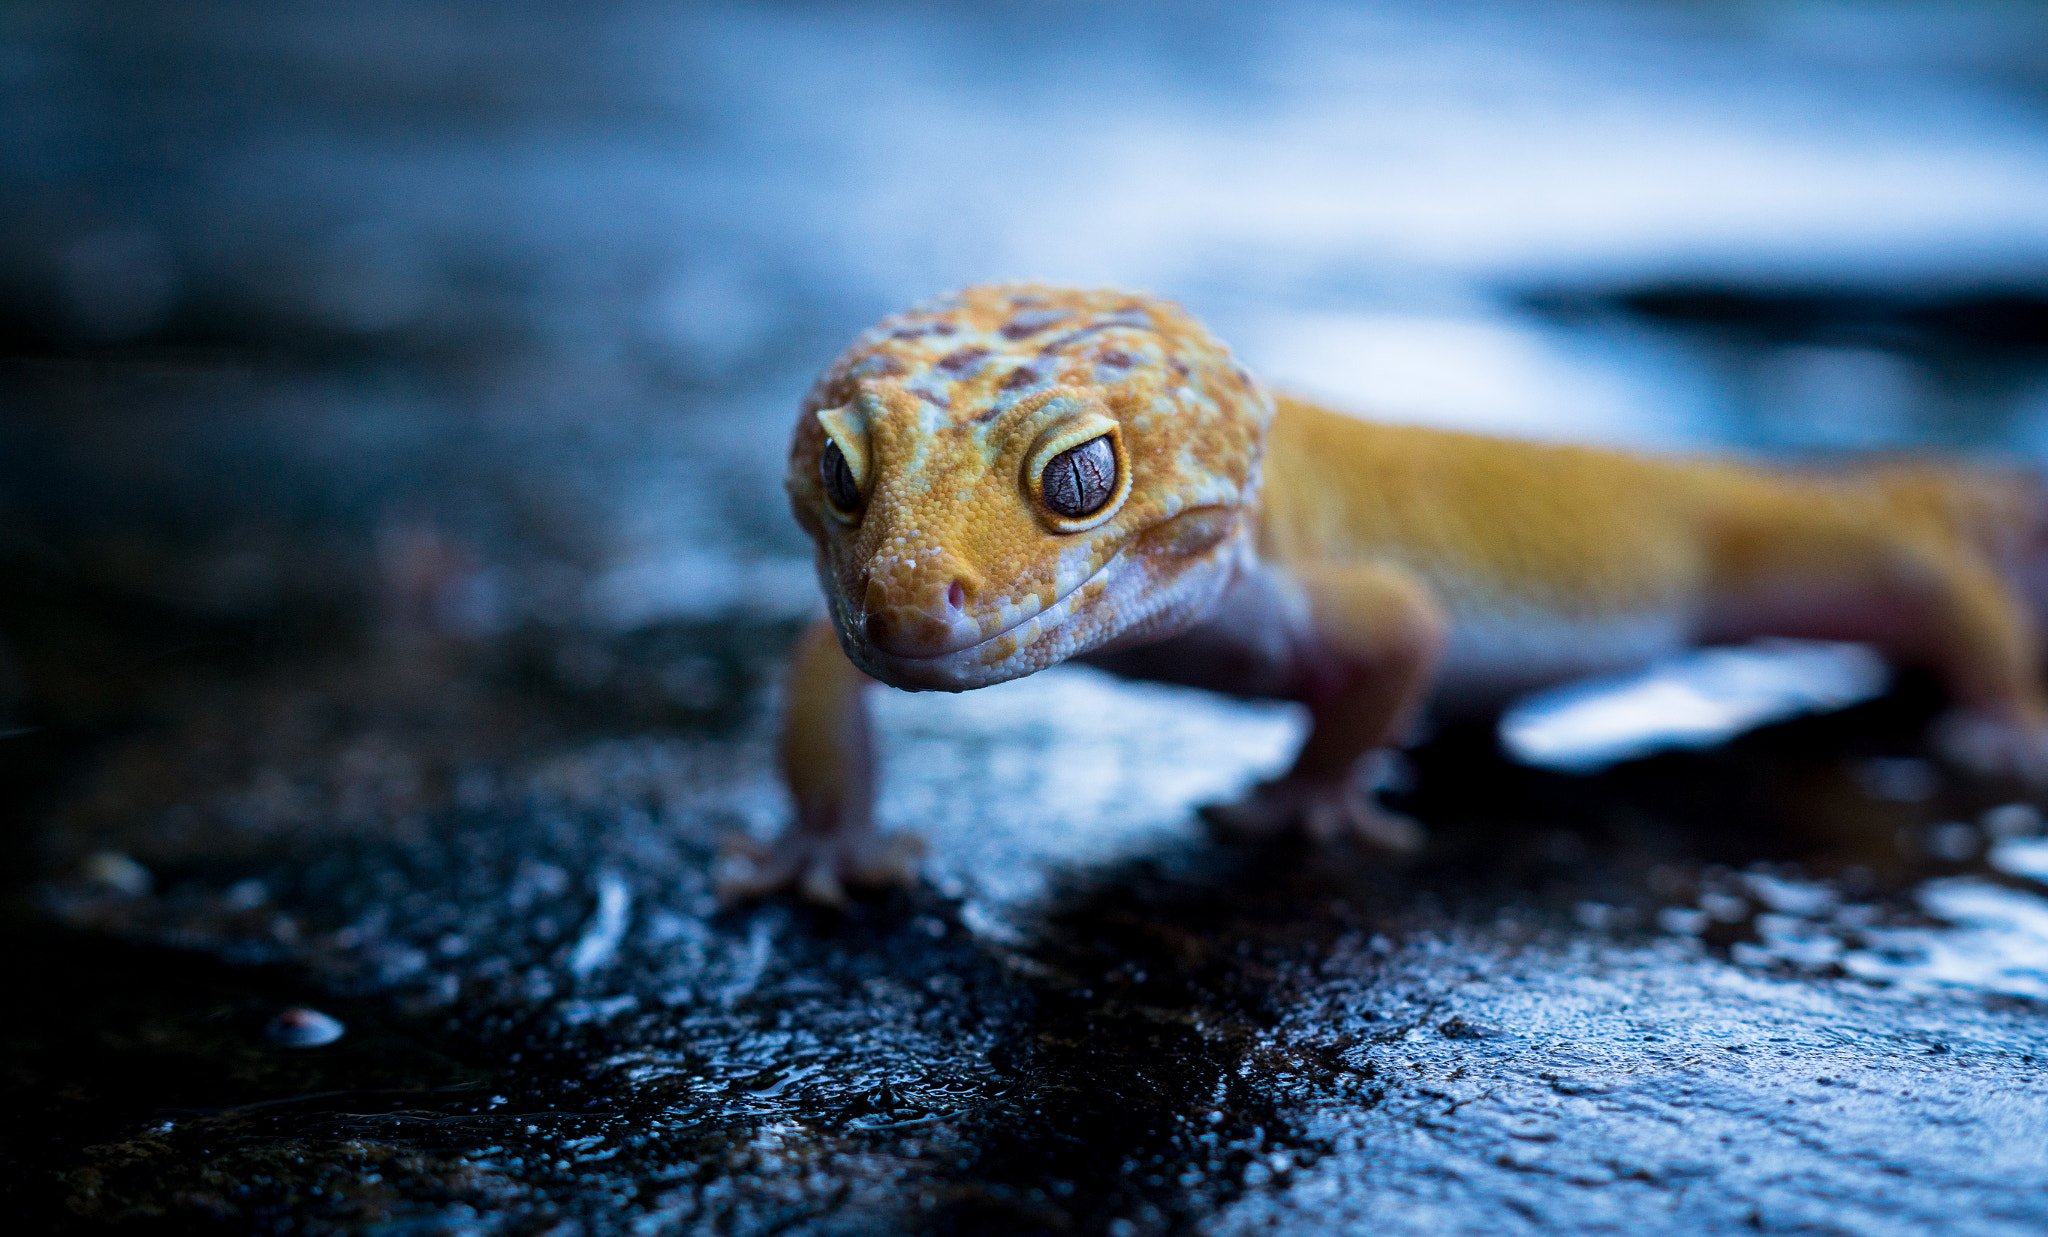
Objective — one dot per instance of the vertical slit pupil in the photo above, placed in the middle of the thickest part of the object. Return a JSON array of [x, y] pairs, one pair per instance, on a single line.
[[1078, 481], [837, 476]]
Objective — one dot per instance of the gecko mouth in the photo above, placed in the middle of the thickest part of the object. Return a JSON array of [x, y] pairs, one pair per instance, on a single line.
[[968, 667]]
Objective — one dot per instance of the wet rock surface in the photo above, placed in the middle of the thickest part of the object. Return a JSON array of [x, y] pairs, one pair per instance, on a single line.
[[395, 582], [348, 916]]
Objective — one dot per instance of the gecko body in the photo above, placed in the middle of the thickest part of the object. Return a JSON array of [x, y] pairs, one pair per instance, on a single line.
[[1015, 476]]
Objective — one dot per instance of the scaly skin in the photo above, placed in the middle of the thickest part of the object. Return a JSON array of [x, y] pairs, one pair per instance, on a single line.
[[1272, 548]]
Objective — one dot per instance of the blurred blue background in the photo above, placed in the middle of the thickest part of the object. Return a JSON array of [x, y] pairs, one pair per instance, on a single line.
[[546, 279]]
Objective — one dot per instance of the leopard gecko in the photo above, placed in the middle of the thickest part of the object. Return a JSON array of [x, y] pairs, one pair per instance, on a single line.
[[1014, 476]]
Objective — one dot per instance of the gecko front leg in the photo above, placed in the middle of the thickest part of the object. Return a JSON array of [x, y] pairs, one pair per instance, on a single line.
[[1358, 643], [828, 762], [1364, 667]]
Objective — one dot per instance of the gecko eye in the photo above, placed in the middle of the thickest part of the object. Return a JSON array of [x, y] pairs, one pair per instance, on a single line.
[[837, 476], [1078, 481]]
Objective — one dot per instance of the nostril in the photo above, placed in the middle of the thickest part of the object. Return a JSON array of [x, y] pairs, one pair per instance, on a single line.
[[956, 596]]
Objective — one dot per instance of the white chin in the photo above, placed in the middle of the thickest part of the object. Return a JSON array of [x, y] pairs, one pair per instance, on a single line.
[[954, 672]]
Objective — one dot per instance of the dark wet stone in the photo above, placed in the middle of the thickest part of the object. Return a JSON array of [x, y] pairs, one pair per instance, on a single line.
[[1594, 1001], [1459, 1027]]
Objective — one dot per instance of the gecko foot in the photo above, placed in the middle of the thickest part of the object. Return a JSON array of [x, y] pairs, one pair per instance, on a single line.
[[1994, 746], [1323, 811], [820, 866]]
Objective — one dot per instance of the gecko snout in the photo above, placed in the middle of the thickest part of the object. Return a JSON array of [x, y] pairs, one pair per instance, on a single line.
[[922, 620]]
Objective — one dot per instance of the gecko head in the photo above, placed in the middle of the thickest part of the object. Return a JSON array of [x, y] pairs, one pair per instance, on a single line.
[[1008, 477]]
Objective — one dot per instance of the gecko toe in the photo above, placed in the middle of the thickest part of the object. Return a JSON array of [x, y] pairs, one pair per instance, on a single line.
[[820, 884], [1391, 832], [821, 868], [1248, 820], [746, 870], [1326, 813], [892, 860]]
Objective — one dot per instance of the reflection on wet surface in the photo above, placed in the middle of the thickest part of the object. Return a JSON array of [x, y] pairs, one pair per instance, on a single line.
[[1091, 1015], [394, 585], [1696, 700]]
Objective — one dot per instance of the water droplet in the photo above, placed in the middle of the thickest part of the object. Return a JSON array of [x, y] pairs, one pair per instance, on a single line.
[[299, 1027]]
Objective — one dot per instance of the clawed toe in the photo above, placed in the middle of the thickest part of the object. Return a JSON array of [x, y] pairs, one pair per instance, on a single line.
[[819, 867], [1328, 814], [1364, 821]]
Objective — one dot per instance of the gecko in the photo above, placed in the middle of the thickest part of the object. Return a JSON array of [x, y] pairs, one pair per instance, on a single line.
[[1014, 476]]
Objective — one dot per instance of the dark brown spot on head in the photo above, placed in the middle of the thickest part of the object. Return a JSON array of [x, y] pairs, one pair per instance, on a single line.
[[961, 360], [930, 398], [1022, 376], [839, 391], [1115, 356], [918, 330], [1071, 337], [878, 365], [1022, 325]]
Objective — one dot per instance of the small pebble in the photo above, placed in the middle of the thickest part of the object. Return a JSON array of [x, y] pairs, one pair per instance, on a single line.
[[246, 895], [117, 872], [1459, 1027], [1724, 908], [2012, 820], [1953, 841], [1901, 779], [2024, 857], [1682, 920], [299, 1027]]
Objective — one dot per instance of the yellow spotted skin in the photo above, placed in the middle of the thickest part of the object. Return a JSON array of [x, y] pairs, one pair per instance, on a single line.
[[1923, 559], [1571, 529], [1271, 547]]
